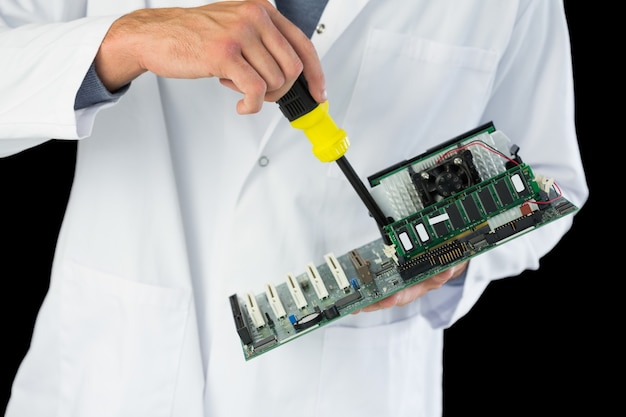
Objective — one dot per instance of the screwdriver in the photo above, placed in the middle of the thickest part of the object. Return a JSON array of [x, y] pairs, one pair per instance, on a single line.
[[330, 143]]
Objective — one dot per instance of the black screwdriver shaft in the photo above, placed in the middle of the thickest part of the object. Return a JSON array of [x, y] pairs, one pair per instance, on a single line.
[[298, 102], [360, 189]]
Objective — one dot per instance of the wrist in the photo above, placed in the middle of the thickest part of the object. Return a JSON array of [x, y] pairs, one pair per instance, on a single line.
[[117, 62]]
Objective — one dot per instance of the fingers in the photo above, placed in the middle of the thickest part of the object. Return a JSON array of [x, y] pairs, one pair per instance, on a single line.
[[308, 60], [248, 45], [281, 55], [412, 293], [403, 297], [269, 64]]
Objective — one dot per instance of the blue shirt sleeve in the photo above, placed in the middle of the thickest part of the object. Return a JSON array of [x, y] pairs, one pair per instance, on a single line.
[[92, 91]]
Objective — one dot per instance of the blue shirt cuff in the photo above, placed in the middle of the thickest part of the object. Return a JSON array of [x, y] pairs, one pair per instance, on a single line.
[[92, 91]]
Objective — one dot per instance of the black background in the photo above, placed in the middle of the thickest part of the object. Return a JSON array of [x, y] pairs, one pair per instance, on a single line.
[[522, 350], [536, 344]]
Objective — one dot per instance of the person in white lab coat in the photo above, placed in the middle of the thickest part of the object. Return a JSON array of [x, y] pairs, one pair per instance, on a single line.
[[183, 194]]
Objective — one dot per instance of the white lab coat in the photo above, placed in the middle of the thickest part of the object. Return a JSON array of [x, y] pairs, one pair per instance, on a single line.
[[171, 211]]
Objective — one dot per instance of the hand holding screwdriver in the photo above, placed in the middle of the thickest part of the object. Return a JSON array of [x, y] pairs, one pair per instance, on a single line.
[[248, 45], [330, 143]]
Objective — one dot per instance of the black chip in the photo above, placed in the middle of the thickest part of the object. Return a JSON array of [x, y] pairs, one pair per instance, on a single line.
[[265, 342], [348, 299], [471, 209], [487, 200], [455, 216], [440, 228], [502, 189], [331, 312]]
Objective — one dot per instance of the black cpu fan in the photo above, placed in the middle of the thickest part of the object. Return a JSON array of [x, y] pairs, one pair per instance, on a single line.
[[452, 175]]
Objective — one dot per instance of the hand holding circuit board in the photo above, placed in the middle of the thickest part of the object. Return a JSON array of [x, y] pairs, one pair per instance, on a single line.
[[443, 207], [413, 292]]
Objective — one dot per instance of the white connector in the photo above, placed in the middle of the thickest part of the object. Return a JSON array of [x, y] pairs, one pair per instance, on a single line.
[[254, 311], [390, 252], [275, 303], [545, 183], [337, 270], [296, 292], [316, 281]]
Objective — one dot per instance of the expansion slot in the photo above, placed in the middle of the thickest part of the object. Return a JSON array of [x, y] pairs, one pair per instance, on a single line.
[[274, 301], [316, 281], [296, 291], [254, 311], [337, 270]]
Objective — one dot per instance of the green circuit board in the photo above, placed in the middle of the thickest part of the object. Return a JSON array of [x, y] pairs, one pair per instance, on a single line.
[[459, 200]]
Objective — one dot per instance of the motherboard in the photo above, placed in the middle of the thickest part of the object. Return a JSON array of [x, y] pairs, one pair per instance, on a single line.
[[445, 206]]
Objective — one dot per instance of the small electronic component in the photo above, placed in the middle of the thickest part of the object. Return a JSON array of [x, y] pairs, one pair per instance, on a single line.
[[308, 321], [348, 299], [362, 266], [441, 208], [241, 323]]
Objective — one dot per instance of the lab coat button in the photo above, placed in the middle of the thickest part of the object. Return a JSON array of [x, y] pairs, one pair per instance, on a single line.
[[320, 28], [264, 161]]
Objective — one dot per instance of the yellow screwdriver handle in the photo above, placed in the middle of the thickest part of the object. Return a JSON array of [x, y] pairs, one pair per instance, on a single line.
[[329, 142], [303, 112]]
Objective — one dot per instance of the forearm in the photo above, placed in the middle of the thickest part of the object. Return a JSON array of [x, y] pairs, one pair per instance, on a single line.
[[248, 45], [118, 60]]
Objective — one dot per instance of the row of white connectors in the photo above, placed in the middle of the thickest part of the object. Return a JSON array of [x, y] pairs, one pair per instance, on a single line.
[[295, 290]]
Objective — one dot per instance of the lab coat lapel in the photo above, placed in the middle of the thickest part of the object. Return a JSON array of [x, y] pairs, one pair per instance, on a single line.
[[336, 17]]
